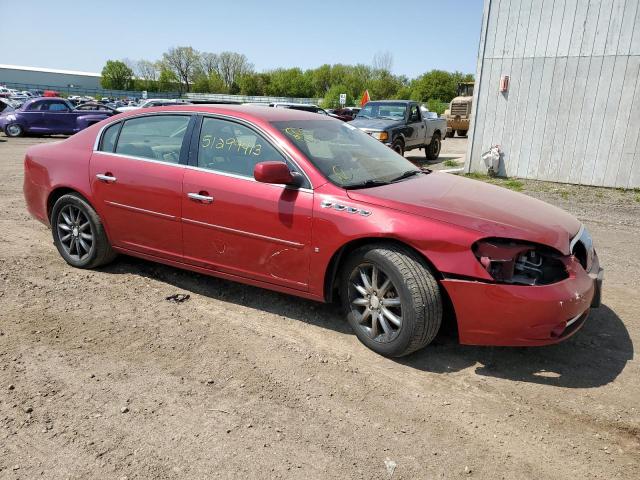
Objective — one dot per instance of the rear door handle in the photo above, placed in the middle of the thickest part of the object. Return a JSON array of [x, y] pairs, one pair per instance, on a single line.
[[198, 197], [106, 178]]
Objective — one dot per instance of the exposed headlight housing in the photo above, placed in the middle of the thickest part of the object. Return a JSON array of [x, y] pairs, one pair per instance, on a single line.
[[382, 136], [520, 263], [582, 248]]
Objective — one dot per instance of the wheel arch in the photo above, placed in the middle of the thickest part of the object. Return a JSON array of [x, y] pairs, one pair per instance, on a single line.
[[333, 268], [449, 319]]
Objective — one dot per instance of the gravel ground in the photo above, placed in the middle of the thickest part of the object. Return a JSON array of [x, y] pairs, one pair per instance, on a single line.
[[101, 377]]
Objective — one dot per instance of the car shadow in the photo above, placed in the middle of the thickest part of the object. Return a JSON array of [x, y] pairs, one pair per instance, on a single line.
[[318, 314], [593, 357]]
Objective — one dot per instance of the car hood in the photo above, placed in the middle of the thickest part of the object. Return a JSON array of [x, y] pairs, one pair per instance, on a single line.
[[491, 210], [374, 123]]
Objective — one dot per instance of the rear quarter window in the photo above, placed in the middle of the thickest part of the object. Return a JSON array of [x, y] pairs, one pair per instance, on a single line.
[[109, 137]]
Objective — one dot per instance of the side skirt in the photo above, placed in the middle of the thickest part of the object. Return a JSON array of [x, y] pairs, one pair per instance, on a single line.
[[223, 275]]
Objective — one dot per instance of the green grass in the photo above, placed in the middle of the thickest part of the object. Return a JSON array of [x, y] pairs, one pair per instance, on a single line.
[[637, 199], [513, 185], [477, 176], [450, 163], [564, 194]]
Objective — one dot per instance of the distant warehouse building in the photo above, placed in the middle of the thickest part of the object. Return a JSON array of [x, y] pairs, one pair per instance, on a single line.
[[17, 75], [558, 88]]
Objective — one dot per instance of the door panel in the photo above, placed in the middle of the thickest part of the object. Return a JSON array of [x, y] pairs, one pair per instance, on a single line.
[[415, 126], [142, 207], [138, 188], [234, 224], [250, 229]]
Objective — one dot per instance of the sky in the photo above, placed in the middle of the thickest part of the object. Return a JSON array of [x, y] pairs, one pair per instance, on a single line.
[[82, 35]]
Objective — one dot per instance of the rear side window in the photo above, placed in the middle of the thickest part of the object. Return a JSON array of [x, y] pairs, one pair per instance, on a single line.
[[109, 138], [157, 137]]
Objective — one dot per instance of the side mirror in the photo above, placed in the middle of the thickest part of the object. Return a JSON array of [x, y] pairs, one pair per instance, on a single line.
[[275, 172]]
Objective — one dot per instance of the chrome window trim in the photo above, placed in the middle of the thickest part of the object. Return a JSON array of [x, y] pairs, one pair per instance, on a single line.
[[190, 167], [96, 143], [275, 143]]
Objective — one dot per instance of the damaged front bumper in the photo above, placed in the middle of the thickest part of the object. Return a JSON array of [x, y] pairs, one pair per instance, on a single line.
[[519, 315]]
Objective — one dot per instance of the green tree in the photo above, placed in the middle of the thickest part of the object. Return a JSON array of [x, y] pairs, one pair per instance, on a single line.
[[438, 84], [116, 75], [289, 82], [167, 81], [332, 97], [200, 84], [184, 63], [216, 84]]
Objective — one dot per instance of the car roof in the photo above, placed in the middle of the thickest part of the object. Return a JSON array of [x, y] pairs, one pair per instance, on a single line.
[[391, 101], [247, 112]]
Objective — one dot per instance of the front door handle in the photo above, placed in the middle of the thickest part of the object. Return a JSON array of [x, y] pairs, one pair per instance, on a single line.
[[199, 197], [106, 177]]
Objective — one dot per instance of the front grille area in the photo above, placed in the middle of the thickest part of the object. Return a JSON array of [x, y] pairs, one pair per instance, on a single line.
[[459, 109]]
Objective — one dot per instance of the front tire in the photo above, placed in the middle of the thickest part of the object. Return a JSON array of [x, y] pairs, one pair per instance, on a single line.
[[398, 147], [432, 151], [391, 298], [78, 233], [462, 133], [14, 130]]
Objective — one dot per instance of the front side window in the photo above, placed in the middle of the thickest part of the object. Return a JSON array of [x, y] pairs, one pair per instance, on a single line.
[[39, 106], [233, 148], [157, 137], [345, 155], [58, 107]]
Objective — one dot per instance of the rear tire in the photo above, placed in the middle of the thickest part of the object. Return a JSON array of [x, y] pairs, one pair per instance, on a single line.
[[14, 130], [462, 133], [78, 233], [432, 151], [450, 134], [398, 309]]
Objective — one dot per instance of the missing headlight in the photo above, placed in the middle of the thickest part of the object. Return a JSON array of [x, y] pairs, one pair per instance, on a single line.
[[514, 262]]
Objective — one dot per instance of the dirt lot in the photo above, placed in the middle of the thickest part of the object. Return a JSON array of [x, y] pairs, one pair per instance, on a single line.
[[101, 377]]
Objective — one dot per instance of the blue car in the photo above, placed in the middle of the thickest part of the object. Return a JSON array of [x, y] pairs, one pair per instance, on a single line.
[[50, 116]]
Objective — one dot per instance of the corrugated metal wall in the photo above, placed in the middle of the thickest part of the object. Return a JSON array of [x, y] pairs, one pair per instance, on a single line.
[[572, 112]]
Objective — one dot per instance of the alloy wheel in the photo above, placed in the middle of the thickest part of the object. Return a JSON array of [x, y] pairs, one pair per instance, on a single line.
[[75, 232], [14, 130], [375, 302]]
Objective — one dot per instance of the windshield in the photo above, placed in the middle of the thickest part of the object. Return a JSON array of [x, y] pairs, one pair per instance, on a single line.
[[345, 155], [390, 111]]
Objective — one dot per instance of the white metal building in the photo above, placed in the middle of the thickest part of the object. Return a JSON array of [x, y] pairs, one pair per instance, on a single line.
[[571, 112], [15, 74]]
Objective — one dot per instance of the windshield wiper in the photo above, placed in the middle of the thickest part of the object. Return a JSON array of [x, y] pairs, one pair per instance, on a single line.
[[365, 184], [407, 174], [362, 116]]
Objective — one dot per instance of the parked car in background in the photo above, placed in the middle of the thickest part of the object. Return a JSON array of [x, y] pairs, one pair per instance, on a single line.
[[399, 124], [96, 107], [298, 203], [155, 102], [49, 116], [347, 113], [50, 93], [6, 105]]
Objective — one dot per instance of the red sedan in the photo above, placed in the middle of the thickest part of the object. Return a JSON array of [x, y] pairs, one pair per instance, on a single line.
[[310, 206]]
